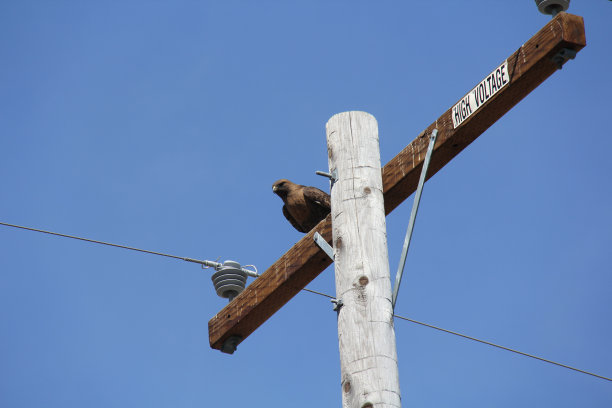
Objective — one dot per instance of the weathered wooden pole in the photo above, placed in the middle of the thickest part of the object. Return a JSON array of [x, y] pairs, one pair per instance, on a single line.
[[368, 357]]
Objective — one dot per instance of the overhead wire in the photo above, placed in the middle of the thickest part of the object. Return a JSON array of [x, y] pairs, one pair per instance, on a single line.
[[482, 341], [502, 347], [207, 263], [314, 292]]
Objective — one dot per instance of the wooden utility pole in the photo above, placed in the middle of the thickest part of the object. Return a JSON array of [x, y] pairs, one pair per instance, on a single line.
[[520, 73], [368, 357]]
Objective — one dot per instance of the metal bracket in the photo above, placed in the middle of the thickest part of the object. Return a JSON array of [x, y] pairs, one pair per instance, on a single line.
[[333, 176], [320, 241], [564, 55], [337, 304], [231, 344]]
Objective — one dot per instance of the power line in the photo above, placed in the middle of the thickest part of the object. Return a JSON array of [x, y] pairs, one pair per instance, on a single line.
[[215, 264], [92, 240], [483, 341], [502, 347], [205, 263]]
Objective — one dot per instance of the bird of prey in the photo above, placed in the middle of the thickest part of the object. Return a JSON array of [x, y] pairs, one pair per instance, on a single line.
[[304, 206]]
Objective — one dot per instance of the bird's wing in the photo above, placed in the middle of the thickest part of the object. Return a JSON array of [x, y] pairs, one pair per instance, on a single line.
[[318, 202], [292, 220]]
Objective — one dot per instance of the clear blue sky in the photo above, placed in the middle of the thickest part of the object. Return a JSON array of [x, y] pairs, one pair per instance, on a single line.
[[162, 125]]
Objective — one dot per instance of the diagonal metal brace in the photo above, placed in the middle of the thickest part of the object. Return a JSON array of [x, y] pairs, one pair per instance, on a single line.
[[320, 241], [413, 214]]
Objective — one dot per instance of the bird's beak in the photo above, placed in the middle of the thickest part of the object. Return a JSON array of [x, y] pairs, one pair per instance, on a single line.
[[274, 188]]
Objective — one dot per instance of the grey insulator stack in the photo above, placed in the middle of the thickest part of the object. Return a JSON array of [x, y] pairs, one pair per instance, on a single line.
[[229, 280], [552, 7]]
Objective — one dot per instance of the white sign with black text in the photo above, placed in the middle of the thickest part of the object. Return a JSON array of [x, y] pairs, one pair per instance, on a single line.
[[478, 96]]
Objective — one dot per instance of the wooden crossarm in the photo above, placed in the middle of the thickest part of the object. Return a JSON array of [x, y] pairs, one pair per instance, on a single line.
[[525, 69]]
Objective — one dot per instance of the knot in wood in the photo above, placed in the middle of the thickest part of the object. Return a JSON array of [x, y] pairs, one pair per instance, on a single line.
[[347, 386], [367, 190], [363, 281], [367, 405], [338, 243]]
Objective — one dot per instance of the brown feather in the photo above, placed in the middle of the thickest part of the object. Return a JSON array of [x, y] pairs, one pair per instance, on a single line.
[[304, 206]]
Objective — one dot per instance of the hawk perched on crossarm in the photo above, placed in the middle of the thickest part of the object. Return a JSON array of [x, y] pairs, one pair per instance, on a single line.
[[304, 206]]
